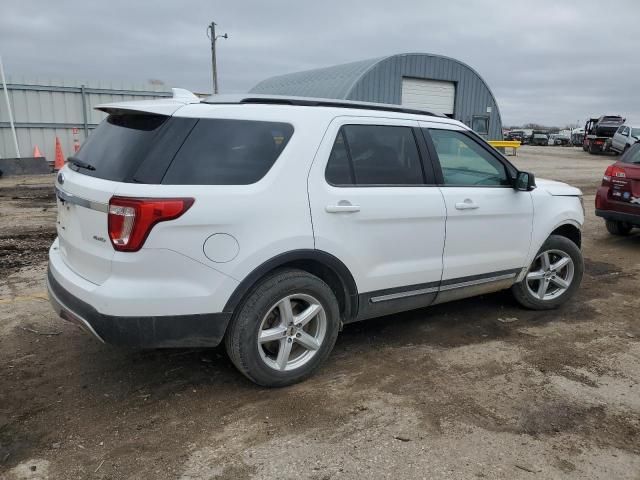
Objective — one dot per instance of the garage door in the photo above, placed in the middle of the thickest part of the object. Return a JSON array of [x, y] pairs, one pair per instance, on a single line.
[[431, 95]]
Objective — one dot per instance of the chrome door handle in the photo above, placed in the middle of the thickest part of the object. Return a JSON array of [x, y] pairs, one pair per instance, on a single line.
[[468, 204], [342, 207]]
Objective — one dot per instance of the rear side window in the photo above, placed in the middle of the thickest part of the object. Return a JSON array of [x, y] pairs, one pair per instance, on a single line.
[[632, 155], [119, 145], [375, 155], [228, 152]]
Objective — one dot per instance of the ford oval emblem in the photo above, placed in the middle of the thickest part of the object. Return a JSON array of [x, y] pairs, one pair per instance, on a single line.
[[60, 178]]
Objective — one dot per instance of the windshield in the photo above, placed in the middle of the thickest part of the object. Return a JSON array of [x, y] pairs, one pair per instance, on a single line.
[[635, 132]]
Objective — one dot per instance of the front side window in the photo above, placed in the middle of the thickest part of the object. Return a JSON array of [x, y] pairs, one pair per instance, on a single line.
[[464, 162], [228, 152], [374, 155]]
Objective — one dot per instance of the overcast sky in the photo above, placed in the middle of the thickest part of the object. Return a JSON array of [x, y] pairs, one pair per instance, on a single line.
[[546, 61]]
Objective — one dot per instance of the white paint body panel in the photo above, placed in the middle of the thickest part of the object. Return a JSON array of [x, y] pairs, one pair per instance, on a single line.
[[494, 237], [396, 239], [429, 95]]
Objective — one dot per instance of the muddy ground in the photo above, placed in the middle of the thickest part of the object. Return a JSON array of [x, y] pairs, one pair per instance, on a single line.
[[473, 389]]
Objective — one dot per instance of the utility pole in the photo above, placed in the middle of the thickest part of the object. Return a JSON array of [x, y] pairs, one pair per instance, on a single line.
[[10, 114], [211, 32]]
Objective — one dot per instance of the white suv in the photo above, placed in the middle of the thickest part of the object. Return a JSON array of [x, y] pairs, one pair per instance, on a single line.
[[269, 222]]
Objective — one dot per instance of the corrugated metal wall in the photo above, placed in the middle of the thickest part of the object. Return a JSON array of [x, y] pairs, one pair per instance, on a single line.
[[383, 83], [43, 110]]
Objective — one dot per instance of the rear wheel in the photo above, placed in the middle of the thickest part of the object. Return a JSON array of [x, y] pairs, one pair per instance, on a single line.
[[618, 228], [285, 329], [553, 277], [592, 148]]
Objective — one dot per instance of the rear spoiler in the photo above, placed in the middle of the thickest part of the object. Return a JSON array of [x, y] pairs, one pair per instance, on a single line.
[[161, 106]]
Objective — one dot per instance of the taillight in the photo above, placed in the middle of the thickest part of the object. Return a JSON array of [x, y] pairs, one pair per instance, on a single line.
[[131, 219], [612, 171]]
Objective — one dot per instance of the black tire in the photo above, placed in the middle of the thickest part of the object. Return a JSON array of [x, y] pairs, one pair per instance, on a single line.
[[618, 228], [555, 242], [241, 339], [592, 150]]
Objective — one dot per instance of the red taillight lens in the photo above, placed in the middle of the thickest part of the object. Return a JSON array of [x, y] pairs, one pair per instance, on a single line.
[[612, 171], [131, 219]]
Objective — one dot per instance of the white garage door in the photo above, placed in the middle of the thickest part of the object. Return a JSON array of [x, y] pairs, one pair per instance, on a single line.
[[431, 95]]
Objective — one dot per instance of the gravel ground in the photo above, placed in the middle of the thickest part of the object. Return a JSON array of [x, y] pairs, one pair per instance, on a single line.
[[473, 389]]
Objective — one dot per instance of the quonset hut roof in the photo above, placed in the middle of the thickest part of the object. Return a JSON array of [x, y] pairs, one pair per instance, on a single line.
[[380, 80], [328, 82]]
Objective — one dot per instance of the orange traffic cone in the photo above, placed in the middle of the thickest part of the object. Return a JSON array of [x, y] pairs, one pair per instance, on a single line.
[[59, 163], [36, 152]]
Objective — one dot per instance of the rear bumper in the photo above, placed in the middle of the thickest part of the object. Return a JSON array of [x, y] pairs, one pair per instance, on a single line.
[[619, 216], [199, 330]]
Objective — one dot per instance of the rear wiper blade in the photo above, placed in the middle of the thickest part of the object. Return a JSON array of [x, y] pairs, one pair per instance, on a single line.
[[80, 164]]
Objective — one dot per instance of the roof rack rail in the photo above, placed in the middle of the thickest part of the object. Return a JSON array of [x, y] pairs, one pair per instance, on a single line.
[[313, 102]]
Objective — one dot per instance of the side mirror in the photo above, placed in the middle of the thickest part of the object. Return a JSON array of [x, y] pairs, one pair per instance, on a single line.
[[524, 182]]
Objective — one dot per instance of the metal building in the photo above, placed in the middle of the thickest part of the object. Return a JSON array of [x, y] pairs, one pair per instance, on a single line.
[[44, 110], [419, 80]]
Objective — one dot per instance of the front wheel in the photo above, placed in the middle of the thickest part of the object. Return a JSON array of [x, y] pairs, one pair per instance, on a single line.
[[553, 277], [285, 329]]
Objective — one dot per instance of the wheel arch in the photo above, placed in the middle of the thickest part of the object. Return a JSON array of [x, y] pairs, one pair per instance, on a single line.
[[327, 267], [569, 230]]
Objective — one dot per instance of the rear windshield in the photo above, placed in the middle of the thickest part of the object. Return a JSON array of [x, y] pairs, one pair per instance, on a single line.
[[118, 145], [146, 148], [632, 155]]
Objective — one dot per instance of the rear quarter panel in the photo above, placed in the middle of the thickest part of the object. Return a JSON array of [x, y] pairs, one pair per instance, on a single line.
[[266, 218]]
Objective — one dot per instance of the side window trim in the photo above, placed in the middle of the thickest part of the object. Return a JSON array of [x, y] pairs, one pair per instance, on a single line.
[[352, 169], [510, 169], [428, 174]]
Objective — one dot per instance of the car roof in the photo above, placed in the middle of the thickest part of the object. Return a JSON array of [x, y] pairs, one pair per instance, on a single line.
[[182, 98], [315, 102]]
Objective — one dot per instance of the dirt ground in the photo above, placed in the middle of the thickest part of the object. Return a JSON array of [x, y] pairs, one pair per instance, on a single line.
[[473, 389]]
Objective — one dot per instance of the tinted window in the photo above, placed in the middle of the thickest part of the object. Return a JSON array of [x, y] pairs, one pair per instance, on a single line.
[[339, 170], [464, 162], [118, 146], [383, 155], [632, 155], [228, 152]]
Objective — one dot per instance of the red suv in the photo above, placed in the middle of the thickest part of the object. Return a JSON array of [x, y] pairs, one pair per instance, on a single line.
[[618, 198]]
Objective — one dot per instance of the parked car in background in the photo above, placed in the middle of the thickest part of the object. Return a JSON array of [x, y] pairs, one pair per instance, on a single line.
[[268, 222], [556, 139], [618, 198], [624, 138], [539, 139], [517, 136], [577, 137]]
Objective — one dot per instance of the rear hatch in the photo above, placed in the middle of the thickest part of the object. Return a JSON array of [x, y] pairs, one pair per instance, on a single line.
[[625, 181], [129, 147]]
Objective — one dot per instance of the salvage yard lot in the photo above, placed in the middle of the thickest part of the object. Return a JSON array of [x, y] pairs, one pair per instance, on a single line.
[[472, 389]]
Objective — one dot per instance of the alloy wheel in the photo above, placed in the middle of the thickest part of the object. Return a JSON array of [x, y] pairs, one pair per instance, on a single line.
[[550, 275], [292, 332]]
